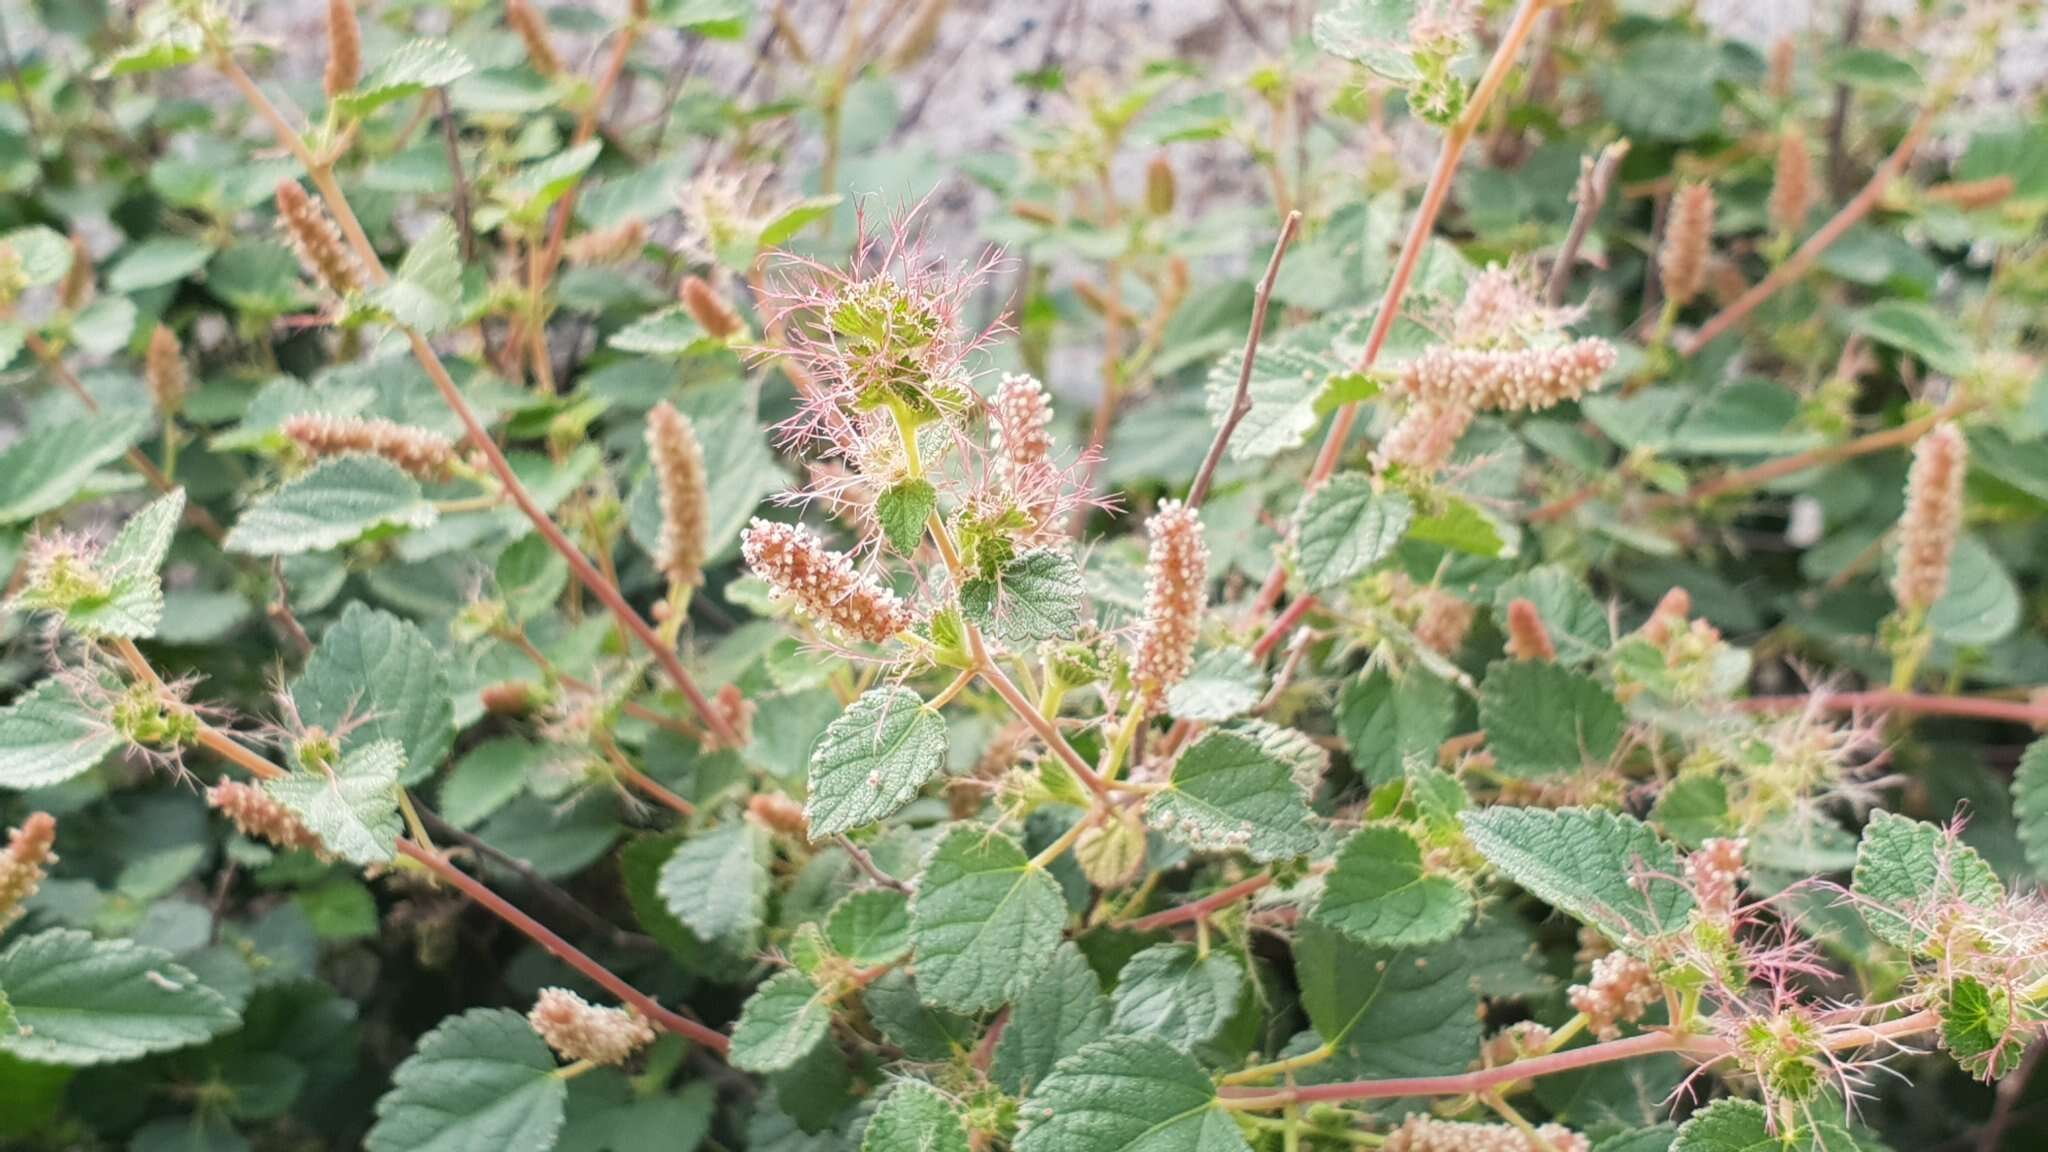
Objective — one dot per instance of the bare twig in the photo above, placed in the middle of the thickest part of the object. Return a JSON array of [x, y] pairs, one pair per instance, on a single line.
[[547, 890], [2030, 713], [449, 140], [1596, 177], [1838, 119], [1241, 401]]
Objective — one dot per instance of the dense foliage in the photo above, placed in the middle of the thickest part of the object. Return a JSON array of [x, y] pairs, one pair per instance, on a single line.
[[549, 611]]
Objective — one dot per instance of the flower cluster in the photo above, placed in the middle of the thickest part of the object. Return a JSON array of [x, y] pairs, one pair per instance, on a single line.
[[1932, 519], [422, 453], [680, 485], [1176, 588], [24, 863], [1422, 1132], [1621, 989], [579, 1030], [258, 815], [316, 239], [821, 583], [1688, 239]]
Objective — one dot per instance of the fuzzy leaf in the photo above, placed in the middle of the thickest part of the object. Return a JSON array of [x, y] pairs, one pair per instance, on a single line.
[[1225, 683], [1576, 622], [47, 737], [354, 809], [377, 677], [1172, 992], [1036, 597], [1386, 721], [481, 1080], [1379, 894], [1543, 719], [872, 760], [1227, 791], [1289, 374], [1983, 1029], [1127, 1094], [914, 1117], [1905, 866], [1369, 32], [984, 922], [134, 604], [1587, 863], [1732, 1125], [1059, 1013], [426, 293], [1346, 527], [2029, 805], [785, 1019], [337, 501], [902, 510], [871, 927], [717, 883], [77, 1000], [42, 470], [409, 70], [1390, 1013]]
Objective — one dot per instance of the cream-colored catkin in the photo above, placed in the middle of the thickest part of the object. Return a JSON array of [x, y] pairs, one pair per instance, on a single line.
[[24, 863], [1932, 519], [821, 583], [1422, 1132], [75, 291], [579, 1030], [344, 48], [1176, 589], [533, 33], [315, 238], [1423, 439], [709, 309], [1688, 238], [1791, 184], [1784, 55], [779, 814], [1528, 639], [260, 816], [606, 246], [419, 452], [163, 370], [679, 483]]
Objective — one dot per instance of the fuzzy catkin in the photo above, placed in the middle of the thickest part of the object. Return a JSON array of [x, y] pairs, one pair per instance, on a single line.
[[260, 816], [25, 862], [163, 370], [1791, 183], [315, 238], [680, 485], [821, 583], [1019, 415], [1528, 639], [1621, 989], [1688, 237], [1424, 438], [419, 452], [1176, 588], [76, 289], [614, 245], [1421, 1132], [344, 48], [709, 309], [579, 1030], [534, 35], [1508, 380], [1932, 519]]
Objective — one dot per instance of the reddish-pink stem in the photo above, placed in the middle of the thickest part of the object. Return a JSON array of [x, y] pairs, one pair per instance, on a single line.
[[1187, 913], [1884, 700]]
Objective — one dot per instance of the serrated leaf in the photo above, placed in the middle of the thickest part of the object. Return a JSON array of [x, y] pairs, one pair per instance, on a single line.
[[984, 922], [1174, 992], [668, 332], [158, 261], [1289, 373], [1602, 868], [1575, 620], [871, 927], [1379, 894], [426, 293], [134, 604], [792, 220], [872, 760], [902, 510], [1981, 605], [1386, 721], [537, 186], [1061, 1011], [1917, 329], [785, 1018], [77, 1000], [44, 253], [1388, 1012], [1906, 867], [1224, 683], [481, 1080], [410, 69], [717, 884], [1369, 32], [1543, 719], [1462, 526], [1731, 1125], [1346, 527], [377, 677], [1228, 792], [2029, 805], [1127, 1094], [165, 39], [914, 1117], [47, 737], [42, 470], [1307, 761], [337, 501], [923, 1033], [353, 808], [1035, 598]]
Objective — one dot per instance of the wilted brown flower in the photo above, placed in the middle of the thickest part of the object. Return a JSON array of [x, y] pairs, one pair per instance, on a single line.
[[1932, 519], [315, 238], [1688, 237], [679, 483], [1176, 589], [418, 451], [579, 1030], [821, 583]]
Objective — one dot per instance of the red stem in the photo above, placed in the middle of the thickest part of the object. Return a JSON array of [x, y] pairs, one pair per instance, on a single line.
[[1885, 700], [1190, 912]]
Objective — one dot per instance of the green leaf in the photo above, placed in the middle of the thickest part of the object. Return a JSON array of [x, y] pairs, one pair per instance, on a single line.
[[1387, 721], [426, 293], [1602, 868], [923, 1033], [1576, 622], [1662, 88], [1035, 598], [1461, 526], [1732, 1125], [1173, 992], [784, 226], [871, 927], [47, 737], [1388, 1013], [1544, 719], [1346, 527], [1127, 1094], [914, 1117], [164, 39], [1369, 32], [44, 253], [337, 501], [481, 1080], [902, 510], [158, 261], [1871, 69], [377, 677], [2029, 803], [1905, 868], [1983, 1028], [785, 1018], [410, 69], [1916, 329], [1981, 605], [1289, 373], [1653, 1139], [46, 467], [668, 332], [134, 604], [354, 807], [77, 1000], [717, 884], [985, 921], [537, 186], [872, 760], [1378, 893], [1055, 1016], [1225, 683], [1228, 792]]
